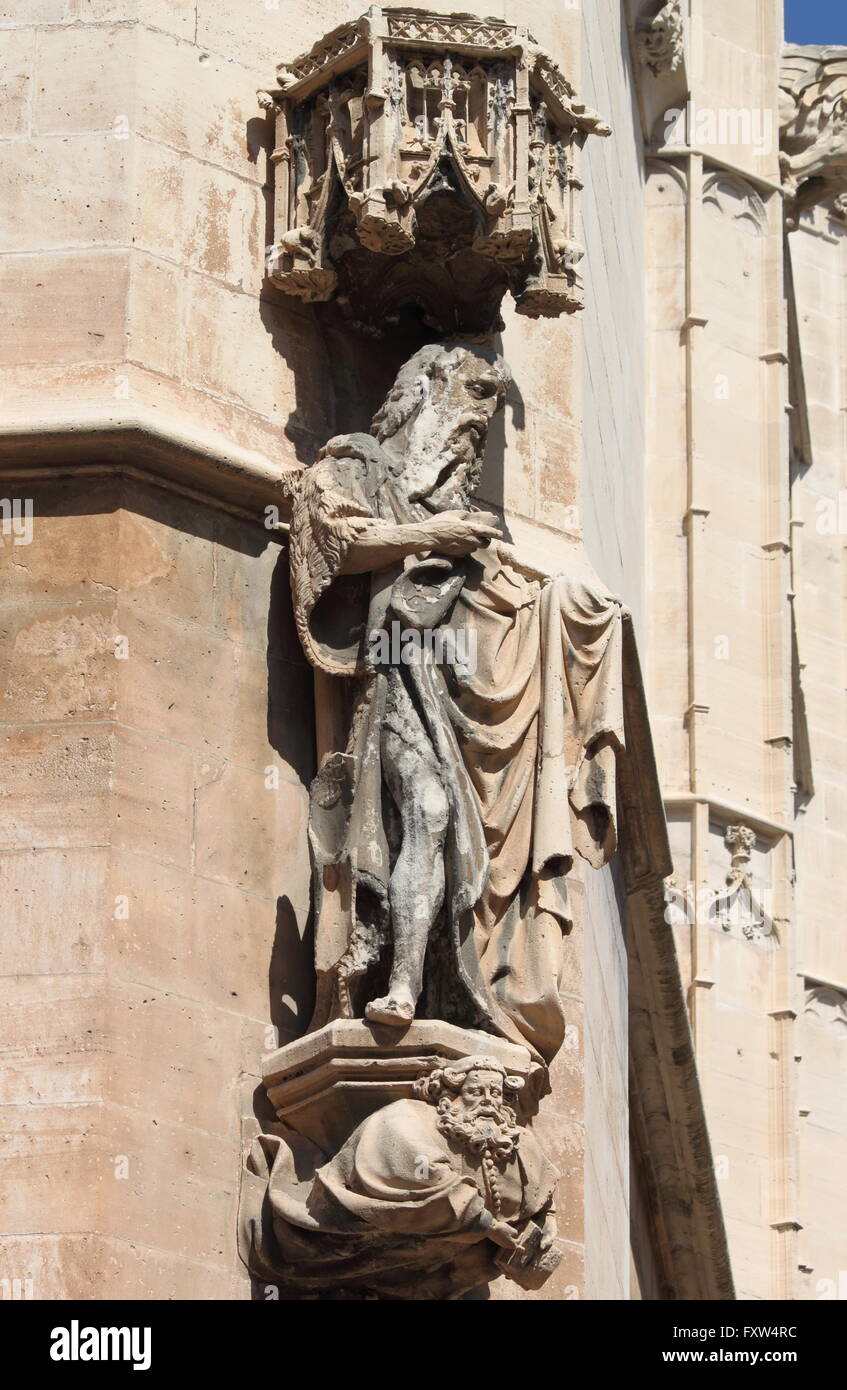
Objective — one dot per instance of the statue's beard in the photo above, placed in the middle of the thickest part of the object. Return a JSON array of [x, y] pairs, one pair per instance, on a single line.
[[479, 1132], [449, 469], [455, 487]]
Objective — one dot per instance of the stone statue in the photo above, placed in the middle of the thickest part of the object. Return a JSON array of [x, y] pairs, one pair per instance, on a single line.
[[660, 37], [445, 820], [428, 1198]]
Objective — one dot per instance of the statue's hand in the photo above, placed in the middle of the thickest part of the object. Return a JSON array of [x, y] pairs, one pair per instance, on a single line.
[[459, 533], [502, 1234]]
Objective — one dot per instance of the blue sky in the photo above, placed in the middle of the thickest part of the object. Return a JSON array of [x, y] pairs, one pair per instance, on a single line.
[[816, 21]]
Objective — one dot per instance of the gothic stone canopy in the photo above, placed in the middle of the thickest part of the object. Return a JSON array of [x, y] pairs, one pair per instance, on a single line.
[[813, 128], [431, 162]]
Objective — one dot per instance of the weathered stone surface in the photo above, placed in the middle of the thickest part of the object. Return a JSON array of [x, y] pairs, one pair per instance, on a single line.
[[170, 355]]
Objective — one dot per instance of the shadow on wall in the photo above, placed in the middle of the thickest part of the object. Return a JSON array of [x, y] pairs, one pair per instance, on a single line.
[[291, 974], [291, 733]]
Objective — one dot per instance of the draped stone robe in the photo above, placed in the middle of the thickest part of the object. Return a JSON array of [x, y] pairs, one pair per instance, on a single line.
[[525, 746], [398, 1202]]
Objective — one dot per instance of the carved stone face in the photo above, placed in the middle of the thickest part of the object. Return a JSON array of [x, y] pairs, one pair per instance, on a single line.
[[477, 1117], [445, 438], [482, 1094]]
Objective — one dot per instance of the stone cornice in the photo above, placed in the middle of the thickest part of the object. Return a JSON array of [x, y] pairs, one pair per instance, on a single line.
[[142, 445]]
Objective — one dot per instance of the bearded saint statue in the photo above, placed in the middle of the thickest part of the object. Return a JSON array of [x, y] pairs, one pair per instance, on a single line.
[[428, 1198], [452, 796]]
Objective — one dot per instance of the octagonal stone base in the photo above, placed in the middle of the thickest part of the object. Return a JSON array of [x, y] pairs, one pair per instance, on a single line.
[[324, 1084]]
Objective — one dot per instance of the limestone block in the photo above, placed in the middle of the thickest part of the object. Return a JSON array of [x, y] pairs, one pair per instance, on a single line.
[[99, 57], [166, 1054], [199, 103], [44, 210], [251, 835], [39, 12], [65, 306], [167, 556], [156, 315], [55, 1040], [556, 455], [175, 17], [251, 600], [19, 56], [57, 662], [190, 213], [177, 1195], [167, 681], [52, 1168], [227, 355], [154, 791], [56, 786], [56, 931], [72, 555]]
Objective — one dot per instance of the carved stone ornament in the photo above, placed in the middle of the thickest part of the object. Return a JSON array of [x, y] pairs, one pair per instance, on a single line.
[[813, 129], [659, 36], [736, 906], [479, 711], [428, 161], [427, 1187]]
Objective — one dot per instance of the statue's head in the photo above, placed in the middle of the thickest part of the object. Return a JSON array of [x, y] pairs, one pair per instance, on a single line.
[[435, 421], [472, 1106]]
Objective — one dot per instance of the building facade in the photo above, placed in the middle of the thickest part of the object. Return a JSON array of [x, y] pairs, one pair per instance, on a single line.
[[183, 335]]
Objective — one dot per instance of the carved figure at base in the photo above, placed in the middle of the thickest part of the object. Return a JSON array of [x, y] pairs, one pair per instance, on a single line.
[[429, 1198]]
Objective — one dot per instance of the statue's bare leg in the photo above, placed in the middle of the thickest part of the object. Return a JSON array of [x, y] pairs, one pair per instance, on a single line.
[[416, 889]]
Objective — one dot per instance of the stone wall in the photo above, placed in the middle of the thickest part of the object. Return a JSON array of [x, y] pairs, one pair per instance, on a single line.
[[819, 511], [156, 735], [611, 502]]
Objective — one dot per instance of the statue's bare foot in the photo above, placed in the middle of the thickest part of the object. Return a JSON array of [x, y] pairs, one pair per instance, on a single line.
[[393, 1009]]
